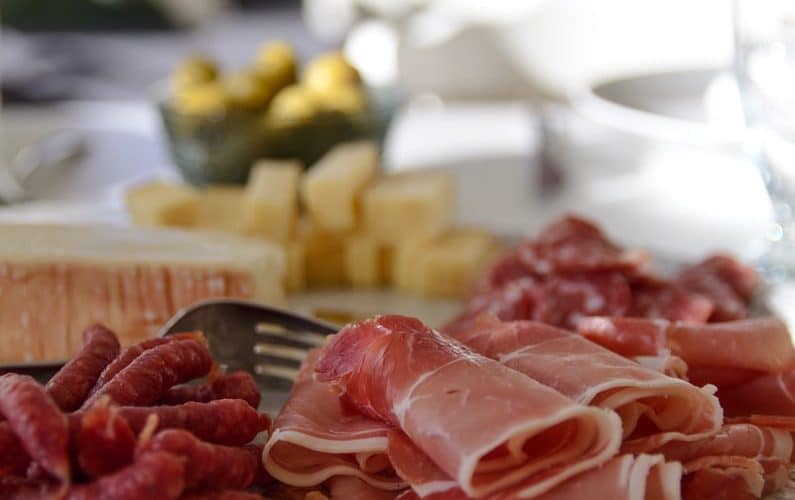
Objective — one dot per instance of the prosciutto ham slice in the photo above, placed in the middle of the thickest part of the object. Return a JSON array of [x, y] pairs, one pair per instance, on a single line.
[[772, 394], [317, 436], [761, 344], [728, 283], [626, 477], [486, 426], [647, 401], [352, 488]]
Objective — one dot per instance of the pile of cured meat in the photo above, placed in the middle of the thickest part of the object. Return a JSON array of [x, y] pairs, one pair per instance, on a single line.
[[574, 371], [115, 424]]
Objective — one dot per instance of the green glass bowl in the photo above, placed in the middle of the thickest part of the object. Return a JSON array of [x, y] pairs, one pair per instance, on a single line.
[[222, 148]]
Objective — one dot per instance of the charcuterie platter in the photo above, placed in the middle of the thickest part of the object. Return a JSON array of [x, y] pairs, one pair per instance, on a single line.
[[573, 365]]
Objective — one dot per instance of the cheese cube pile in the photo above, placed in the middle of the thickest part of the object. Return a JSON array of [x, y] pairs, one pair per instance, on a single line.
[[331, 189], [163, 204], [271, 199], [358, 228], [399, 207]]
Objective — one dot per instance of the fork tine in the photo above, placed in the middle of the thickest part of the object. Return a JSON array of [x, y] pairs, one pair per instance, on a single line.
[[282, 372], [308, 338], [280, 351]]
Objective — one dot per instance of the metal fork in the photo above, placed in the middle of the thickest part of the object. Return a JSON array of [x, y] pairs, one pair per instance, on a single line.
[[263, 340]]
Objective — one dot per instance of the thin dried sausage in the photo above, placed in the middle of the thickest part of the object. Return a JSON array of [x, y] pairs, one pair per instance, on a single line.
[[152, 475], [207, 465], [14, 460], [237, 385], [103, 441], [222, 495], [150, 375], [131, 353], [41, 427], [231, 422], [71, 385]]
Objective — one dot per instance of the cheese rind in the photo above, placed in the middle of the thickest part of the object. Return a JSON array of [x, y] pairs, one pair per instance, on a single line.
[[163, 204], [271, 199], [406, 206], [332, 187], [57, 280]]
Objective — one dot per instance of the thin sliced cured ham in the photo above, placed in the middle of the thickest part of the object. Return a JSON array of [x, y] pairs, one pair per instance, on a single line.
[[740, 439], [727, 282], [772, 394], [560, 300], [486, 426], [625, 477], [647, 401], [317, 436], [770, 447], [352, 488], [761, 344], [723, 478], [575, 244]]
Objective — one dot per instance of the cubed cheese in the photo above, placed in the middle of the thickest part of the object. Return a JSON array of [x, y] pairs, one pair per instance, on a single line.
[[406, 264], [453, 262], [163, 204], [271, 199], [331, 188], [363, 261], [295, 280], [446, 265], [404, 206], [222, 209], [324, 256]]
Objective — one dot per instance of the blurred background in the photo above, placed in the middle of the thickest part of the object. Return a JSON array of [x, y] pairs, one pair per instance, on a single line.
[[627, 111]]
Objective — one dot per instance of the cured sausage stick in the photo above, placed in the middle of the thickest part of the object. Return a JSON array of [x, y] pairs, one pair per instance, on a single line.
[[103, 441], [207, 465], [131, 353], [71, 385], [14, 460], [153, 475], [33, 416], [150, 375], [231, 422], [237, 385]]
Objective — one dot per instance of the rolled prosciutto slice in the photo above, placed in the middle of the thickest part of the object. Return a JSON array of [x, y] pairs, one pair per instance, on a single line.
[[317, 436], [626, 477], [486, 426], [772, 394], [721, 350], [351, 488], [648, 402]]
